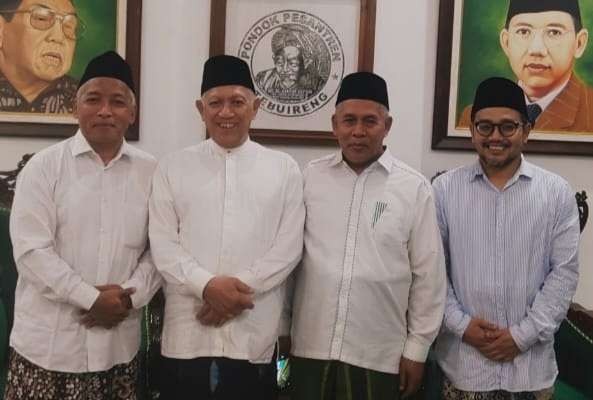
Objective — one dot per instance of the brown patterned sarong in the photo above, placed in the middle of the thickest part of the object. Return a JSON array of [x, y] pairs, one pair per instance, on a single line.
[[451, 393], [28, 381]]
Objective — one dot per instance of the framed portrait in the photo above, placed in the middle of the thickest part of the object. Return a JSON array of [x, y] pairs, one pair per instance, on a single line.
[[547, 52], [298, 52], [45, 51]]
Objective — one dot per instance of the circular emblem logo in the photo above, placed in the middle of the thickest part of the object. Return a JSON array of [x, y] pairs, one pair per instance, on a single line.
[[296, 60]]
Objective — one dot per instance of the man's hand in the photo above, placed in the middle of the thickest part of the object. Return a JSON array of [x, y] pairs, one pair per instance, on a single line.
[[503, 348], [410, 376], [480, 333], [111, 307], [228, 296], [210, 317]]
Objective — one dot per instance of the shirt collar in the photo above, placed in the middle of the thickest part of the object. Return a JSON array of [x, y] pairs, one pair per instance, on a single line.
[[545, 101], [81, 146], [525, 170], [222, 151], [386, 160]]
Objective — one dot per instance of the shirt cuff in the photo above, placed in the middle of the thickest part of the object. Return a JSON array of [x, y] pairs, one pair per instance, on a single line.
[[84, 296], [135, 299], [525, 335], [249, 278], [459, 328], [415, 351], [197, 281]]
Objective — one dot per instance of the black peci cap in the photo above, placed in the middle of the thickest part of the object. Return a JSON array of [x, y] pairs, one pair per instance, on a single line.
[[363, 86], [499, 92], [108, 65], [226, 70]]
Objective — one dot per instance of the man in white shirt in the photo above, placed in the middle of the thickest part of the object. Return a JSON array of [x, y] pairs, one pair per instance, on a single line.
[[226, 230], [370, 290], [79, 230]]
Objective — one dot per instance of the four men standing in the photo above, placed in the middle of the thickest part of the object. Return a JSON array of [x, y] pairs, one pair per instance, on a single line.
[[227, 218]]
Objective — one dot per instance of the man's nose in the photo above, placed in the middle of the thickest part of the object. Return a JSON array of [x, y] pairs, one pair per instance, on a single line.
[[55, 32], [496, 133], [226, 110], [105, 109], [358, 129], [538, 44]]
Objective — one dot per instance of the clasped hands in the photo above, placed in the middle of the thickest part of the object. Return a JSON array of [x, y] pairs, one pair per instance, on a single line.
[[111, 307], [225, 297], [494, 343]]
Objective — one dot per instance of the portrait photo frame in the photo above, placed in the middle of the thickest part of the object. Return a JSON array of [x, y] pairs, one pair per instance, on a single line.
[[233, 36], [458, 71], [127, 39]]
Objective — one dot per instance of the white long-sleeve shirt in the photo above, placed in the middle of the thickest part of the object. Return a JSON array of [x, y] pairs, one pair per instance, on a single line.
[[76, 224], [371, 286], [234, 212]]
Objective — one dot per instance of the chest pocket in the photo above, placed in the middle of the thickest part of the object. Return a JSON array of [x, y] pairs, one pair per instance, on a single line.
[[377, 211], [390, 224]]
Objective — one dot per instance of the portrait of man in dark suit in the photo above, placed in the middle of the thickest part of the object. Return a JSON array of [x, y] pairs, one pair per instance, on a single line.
[[542, 40]]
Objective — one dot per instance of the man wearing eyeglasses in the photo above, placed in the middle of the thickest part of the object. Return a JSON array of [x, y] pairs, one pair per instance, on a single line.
[[510, 232], [542, 41], [37, 41]]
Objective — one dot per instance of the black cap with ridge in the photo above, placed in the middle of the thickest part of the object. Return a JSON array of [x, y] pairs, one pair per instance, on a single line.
[[108, 65], [226, 70], [499, 92], [363, 86], [534, 6]]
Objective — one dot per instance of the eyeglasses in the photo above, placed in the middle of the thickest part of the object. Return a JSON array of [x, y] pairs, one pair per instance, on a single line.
[[505, 128], [43, 18], [552, 36]]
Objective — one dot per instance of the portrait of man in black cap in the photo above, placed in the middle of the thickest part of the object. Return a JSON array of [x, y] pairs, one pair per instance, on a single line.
[[542, 40]]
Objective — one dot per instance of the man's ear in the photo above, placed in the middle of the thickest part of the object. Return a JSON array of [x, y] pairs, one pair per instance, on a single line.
[[388, 124], [2, 26], [200, 107], [581, 42], [256, 105], [334, 124], [526, 131], [472, 132], [504, 41], [133, 115]]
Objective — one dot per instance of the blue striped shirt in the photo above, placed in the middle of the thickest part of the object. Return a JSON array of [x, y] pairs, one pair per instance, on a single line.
[[511, 259]]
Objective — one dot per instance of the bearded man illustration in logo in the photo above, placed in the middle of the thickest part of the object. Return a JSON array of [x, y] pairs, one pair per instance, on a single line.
[[295, 77]]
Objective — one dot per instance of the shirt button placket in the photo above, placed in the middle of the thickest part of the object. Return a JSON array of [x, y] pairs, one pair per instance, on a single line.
[[340, 327]]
